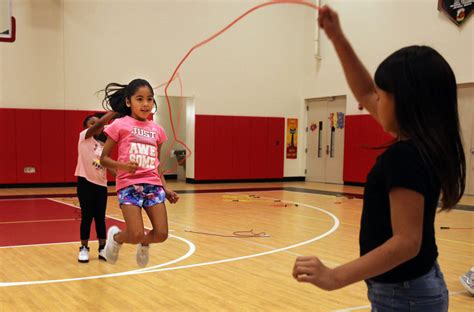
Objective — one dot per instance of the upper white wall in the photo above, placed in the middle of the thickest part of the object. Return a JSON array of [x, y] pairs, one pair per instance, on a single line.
[[66, 50], [376, 28], [32, 67], [252, 69]]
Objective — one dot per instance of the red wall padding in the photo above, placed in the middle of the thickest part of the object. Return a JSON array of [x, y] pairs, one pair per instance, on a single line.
[[276, 147], [241, 157], [53, 146], [226, 147], [234, 147], [362, 136], [258, 148], [28, 145], [73, 126], [43, 139], [204, 168], [7, 144], [222, 157]]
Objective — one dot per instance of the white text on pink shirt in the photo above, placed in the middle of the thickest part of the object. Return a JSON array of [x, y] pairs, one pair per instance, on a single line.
[[143, 133], [143, 154]]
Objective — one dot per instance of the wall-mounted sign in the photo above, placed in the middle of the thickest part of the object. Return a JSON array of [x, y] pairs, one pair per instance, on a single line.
[[292, 138], [457, 10]]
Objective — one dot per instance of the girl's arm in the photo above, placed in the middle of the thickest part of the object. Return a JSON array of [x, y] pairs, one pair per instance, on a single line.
[[170, 195], [357, 76], [97, 128], [113, 172], [406, 210], [109, 163]]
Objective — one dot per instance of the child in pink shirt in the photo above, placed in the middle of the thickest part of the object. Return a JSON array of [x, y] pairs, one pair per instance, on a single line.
[[92, 183], [139, 184]]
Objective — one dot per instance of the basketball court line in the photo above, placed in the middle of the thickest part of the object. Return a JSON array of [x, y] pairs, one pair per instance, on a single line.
[[191, 250], [159, 268], [51, 244], [261, 244]]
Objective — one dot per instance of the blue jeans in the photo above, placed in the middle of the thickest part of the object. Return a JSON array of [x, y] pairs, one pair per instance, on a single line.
[[427, 293]]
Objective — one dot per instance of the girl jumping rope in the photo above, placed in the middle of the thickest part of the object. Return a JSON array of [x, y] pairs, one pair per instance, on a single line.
[[414, 98], [139, 182]]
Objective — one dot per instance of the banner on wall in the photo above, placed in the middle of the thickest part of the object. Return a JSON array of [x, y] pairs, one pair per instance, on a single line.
[[457, 10], [291, 138]]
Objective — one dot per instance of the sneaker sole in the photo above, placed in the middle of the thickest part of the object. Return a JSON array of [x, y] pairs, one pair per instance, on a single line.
[[469, 289], [82, 261]]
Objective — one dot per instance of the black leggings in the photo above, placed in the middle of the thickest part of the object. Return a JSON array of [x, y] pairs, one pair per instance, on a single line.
[[93, 200]]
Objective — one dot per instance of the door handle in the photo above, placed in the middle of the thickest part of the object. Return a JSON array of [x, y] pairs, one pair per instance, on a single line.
[[327, 149]]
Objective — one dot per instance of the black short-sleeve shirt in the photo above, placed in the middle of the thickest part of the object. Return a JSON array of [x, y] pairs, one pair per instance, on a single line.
[[401, 165]]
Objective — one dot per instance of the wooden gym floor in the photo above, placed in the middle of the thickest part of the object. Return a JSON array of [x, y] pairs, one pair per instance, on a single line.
[[39, 232]]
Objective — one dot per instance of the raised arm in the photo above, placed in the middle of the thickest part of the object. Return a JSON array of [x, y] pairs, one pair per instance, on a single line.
[[357, 76], [99, 125]]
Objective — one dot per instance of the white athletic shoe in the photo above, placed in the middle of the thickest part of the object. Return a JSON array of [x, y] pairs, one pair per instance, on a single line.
[[143, 253], [112, 248], [467, 280], [102, 254], [83, 254]]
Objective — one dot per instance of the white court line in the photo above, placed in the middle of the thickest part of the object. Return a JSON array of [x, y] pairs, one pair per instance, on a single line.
[[155, 269], [334, 228], [354, 308], [191, 250], [262, 245], [288, 252], [46, 244], [51, 244]]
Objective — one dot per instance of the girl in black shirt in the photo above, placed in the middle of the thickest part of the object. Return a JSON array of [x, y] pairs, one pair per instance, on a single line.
[[414, 98]]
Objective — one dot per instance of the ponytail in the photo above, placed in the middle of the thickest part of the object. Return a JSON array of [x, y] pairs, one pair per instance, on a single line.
[[116, 96], [115, 99]]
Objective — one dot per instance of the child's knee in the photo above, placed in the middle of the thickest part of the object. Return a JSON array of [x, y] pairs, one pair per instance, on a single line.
[[160, 237], [135, 237]]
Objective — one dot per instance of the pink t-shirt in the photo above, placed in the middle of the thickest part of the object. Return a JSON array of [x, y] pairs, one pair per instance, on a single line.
[[88, 160], [137, 141]]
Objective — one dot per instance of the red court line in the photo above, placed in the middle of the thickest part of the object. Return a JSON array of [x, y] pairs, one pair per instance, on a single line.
[[15, 231]]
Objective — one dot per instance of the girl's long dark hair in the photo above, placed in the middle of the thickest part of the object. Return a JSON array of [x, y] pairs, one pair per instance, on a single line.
[[116, 95], [424, 88]]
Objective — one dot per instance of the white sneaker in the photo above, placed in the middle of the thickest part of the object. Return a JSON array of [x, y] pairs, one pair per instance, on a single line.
[[467, 280], [83, 254], [143, 253], [112, 248], [102, 254]]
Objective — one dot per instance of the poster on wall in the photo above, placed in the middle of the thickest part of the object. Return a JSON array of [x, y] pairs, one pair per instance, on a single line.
[[336, 120], [291, 138], [457, 10]]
